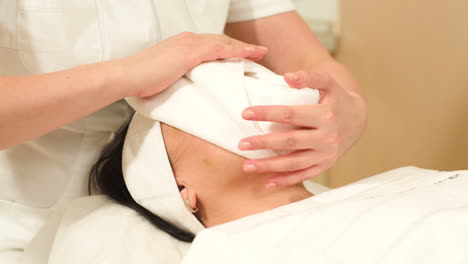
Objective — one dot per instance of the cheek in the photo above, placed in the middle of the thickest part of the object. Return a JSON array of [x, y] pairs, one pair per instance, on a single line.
[[209, 167], [213, 172], [221, 171], [208, 164]]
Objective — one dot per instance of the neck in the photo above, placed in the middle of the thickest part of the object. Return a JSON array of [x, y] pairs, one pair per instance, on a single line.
[[243, 199]]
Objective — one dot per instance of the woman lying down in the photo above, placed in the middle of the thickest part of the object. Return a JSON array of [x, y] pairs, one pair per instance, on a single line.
[[178, 193]]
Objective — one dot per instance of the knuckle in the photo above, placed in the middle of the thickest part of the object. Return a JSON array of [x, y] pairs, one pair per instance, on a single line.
[[258, 143], [293, 165], [229, 41], [217, 48], [290, 142], [333, 139], [288, 115], [264, 166], [328, 117]]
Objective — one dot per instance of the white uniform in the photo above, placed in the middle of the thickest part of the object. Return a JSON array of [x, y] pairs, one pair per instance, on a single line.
[[39, 36]]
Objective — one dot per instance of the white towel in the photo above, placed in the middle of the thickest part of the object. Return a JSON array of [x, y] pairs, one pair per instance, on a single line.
[[408, 215], [206, 103]]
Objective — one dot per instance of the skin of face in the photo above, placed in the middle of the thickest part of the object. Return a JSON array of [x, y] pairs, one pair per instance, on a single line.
[[212, 179]]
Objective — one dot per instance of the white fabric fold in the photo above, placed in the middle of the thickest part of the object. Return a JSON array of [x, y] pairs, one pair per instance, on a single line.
[[209, 100], [206, 103], [148, 174], [96, 230], [407, 215]]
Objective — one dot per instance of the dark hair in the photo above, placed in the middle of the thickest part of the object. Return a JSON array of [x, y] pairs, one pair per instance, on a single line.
[[107, 178]]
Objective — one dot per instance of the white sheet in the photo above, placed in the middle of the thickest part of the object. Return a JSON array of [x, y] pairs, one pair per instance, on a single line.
[[407, 215], [315, 188], [96, 230]]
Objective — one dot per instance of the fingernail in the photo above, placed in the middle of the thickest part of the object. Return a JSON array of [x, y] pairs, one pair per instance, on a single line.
[[262, 48], [271, 185], [245, 145], [247, 114], [249, 48], [250, 168], [293, 76]]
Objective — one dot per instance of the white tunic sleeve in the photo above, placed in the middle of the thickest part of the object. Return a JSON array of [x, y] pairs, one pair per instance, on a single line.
[[243, 10]]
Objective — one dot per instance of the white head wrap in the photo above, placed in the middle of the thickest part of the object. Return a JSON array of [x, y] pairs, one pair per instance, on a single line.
[[206, 103]]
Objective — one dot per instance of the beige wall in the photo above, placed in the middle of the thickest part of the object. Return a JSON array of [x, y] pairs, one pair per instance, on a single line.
[[411, 58]]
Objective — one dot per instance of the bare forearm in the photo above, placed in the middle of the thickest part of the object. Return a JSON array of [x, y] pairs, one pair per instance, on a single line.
[[31, 106]]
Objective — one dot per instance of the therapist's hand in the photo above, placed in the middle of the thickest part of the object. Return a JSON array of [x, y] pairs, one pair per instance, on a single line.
[[326, 132], [159, 66]]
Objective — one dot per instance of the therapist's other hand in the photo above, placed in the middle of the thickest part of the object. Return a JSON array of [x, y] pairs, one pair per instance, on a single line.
[[156, 68], [326, 132]]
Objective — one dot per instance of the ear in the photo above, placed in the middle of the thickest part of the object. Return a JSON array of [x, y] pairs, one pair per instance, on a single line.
[[190, 195]]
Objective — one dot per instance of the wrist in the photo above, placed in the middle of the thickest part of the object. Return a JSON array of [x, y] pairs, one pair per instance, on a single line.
[[119, 79]]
